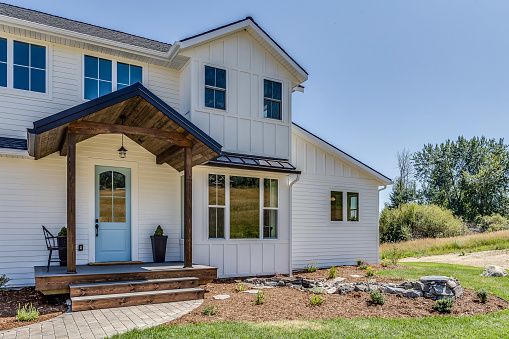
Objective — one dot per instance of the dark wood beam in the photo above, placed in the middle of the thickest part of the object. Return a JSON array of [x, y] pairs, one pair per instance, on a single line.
[[71, 203], [94, 128], [167, 154], [63, 144], [188, 208]]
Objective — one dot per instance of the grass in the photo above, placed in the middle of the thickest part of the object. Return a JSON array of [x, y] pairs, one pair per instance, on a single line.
[[493, 325], [435, 246], [27, 313]]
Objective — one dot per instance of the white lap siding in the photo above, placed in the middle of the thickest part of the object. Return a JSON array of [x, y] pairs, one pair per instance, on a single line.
[[33, 193], [316, 239]]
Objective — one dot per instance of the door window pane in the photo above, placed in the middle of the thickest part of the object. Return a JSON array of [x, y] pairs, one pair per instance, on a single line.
[[244, 207], [112, 197], [336, 206]]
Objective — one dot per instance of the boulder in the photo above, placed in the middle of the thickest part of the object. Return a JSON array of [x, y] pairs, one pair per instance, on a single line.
[[412, 293], [434, 279], [494, 271], [345, 288]]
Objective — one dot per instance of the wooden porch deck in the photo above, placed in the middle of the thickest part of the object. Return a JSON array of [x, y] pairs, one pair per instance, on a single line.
[[57, 280]]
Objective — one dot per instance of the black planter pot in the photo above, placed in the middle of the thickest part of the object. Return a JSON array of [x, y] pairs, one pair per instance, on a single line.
[[62, 254], [159, 247]]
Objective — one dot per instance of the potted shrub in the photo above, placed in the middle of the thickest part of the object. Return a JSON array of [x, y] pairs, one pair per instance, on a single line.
[[62, 243], [159, 241]]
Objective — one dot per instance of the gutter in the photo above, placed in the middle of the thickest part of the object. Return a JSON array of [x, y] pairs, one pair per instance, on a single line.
[[290, 222]]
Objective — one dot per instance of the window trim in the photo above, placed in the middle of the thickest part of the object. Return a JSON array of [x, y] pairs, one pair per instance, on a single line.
[[263, 97], [205, 86], [114, 78], [269, 208], [226, 195]]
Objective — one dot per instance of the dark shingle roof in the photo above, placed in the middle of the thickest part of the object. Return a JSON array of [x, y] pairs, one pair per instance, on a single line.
[[81, 27], [13, 143]]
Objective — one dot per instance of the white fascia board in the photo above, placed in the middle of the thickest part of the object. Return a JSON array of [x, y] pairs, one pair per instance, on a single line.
[[342, 155], [85, 38]]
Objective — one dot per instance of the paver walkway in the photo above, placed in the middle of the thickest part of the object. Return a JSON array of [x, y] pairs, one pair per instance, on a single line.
[[103, 323]]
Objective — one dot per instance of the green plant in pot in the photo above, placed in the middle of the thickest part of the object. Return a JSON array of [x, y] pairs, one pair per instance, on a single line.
[[159, 241], [62, 244]]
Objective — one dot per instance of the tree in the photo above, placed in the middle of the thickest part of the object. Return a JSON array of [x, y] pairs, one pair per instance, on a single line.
[[404, 189], [469, 177]]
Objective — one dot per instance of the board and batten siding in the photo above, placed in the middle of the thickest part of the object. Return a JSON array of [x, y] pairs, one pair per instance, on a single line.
[[19, 108], [241, 127], [33, 194], [316, 239]]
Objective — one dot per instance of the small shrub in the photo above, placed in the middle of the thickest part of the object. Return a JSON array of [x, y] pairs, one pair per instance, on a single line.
[[316, 300], [63, 232], [260, 298], [482, 294], [363, 267], [360, 262], [27, 313], [492, 223], [377, 298], [310, 268], [333, 272], [240, 287], [3, 280], [209, 310], [385, 263], [370, 271], [159, 231], [444, 305]]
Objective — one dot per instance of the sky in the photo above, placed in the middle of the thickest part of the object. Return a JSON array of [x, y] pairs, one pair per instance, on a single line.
[[383, 75]]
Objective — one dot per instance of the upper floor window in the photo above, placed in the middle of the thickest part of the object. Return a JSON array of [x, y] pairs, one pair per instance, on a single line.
[[3, 62], [272, 94], [29, 67], [98, 77], [128, 75], [215, 87], [336, 206], [352, 206]]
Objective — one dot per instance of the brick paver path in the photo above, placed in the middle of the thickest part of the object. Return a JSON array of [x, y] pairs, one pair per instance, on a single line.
[[103, 323]]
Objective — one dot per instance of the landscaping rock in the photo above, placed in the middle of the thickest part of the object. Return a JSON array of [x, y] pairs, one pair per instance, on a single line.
[[494, 271], [345, 288], [413, 294], [221, 297], [251, 291]]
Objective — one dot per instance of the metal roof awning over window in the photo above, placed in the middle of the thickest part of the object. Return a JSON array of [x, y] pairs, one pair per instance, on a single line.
[[250, 162]]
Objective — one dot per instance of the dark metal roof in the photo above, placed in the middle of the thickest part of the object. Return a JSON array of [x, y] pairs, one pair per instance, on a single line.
[[13, 143], [341, 151], [81, 27], [252, 162], [256, 24], [92, 106]]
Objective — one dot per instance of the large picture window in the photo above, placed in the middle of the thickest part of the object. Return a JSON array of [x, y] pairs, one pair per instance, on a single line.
[[336, 206], [98, 77], [29, 67], [215, 87], [270, 207], [352, 206], [217, 197], [244, 207]]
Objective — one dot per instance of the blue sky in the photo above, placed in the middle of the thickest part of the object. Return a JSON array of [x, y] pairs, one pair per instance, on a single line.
[[384, 75]]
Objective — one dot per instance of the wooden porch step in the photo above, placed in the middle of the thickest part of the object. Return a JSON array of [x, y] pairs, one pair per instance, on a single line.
[[116, 287], [135, 298]]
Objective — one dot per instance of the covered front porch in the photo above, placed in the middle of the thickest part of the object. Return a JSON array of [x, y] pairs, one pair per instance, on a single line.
[[155, 133]]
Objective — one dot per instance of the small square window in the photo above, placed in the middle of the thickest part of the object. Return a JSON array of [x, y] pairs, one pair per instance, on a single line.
[[272, 95], [215, 88], [29, 67], [98, 77]]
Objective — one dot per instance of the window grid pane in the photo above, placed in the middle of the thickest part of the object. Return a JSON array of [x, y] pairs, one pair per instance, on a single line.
[[270, 224], [29, 67], [215, 88], [272, 95], [336, 205], [352, 206], [98, 77]]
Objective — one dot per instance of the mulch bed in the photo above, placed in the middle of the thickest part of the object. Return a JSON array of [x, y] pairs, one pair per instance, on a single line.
[[285, 303], [10, 299]]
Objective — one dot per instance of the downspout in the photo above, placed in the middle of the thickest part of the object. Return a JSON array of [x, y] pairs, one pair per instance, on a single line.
[[378, 224], [290, 221]]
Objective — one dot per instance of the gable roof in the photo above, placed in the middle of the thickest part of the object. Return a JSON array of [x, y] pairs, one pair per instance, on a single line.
[[343, 155], [81, 27]]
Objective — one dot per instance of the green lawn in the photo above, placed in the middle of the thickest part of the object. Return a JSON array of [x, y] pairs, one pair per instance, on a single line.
[[495, 325]]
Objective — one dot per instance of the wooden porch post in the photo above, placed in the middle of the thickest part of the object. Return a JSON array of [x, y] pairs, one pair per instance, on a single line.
[[188, 208], [71, 203]]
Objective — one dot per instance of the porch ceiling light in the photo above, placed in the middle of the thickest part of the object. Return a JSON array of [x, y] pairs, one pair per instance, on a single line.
[[122, 151]]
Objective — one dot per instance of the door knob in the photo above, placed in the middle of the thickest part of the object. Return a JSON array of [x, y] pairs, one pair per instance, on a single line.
[[96, 228]]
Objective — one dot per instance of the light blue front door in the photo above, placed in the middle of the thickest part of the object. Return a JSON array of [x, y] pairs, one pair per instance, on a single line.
[[113, 214]]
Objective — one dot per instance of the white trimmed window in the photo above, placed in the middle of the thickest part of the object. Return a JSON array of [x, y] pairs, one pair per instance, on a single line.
[[215, 87], [352, 208], [336, 206], [216, 205], [270, 208], [29, 67]]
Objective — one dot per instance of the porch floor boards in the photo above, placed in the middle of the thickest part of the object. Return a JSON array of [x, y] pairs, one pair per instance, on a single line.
[[57, 280]]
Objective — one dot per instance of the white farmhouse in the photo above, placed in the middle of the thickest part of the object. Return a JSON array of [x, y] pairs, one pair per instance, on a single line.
[[111, 135]]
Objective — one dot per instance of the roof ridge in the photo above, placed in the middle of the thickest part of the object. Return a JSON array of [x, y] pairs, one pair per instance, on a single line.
[[83, 23]]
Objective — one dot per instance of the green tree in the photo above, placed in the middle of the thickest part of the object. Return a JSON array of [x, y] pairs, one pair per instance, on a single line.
[[404, 189], [468, 176]]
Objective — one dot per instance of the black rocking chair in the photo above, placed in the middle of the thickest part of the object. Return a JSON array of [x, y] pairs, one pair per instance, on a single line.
[[52, 245]]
